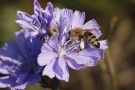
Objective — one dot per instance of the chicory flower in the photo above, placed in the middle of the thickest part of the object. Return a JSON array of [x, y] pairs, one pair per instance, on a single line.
[[58, 53], [18, 61], [38, 23]]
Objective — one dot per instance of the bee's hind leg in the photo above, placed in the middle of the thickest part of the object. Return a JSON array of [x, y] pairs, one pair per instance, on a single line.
[[82, 44]]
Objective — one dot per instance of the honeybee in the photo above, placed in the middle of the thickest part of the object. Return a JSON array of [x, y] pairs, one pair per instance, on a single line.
[[78, 34]]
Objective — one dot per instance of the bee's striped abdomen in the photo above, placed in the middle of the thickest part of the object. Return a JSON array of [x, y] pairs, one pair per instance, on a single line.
[[87, 35], [91, 39]]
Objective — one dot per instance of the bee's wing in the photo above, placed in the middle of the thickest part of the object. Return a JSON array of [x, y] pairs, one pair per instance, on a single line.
[[88, 30], [97, 33]]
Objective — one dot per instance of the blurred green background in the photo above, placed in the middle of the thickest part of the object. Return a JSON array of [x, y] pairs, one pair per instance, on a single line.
[[117, 21]]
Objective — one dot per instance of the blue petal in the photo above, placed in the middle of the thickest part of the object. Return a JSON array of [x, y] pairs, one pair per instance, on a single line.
[[26, 44], [37, 10], [47, 53], [77, 19], [9, 52], [72, 64], [65, 19], [34, 34], [23, 77], [56, 18], [61, 69], [25, 25], [20, 86], [103, 44], [35, 78], [46, 48], [93, 53], [57, 69], [53, 40], [3, 68], [48, 12], [38, 69], [24, 16], [48, 70], [9, 81], [22, 37], [34, 45], [88, 57], [82, 60], [45, 58], [36, 21], [56, 14], [92, 24]]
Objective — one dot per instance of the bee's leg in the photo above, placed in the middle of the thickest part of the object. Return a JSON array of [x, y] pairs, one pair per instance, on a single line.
[[70, 42], [82, 43]]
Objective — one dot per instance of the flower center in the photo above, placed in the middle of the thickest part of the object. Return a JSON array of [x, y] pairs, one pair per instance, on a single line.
[[62, 52]]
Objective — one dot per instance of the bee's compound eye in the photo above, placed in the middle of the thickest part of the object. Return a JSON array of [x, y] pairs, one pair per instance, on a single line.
[[69, 34]]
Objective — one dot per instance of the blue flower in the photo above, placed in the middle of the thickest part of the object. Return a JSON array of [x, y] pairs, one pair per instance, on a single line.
[[18, 61], [59, 52], [38, 23]]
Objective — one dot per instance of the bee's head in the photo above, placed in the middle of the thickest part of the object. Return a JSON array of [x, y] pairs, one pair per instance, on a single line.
[[69, 33]]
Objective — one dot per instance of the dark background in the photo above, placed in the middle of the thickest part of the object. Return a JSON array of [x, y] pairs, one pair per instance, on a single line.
[[117, 21]]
